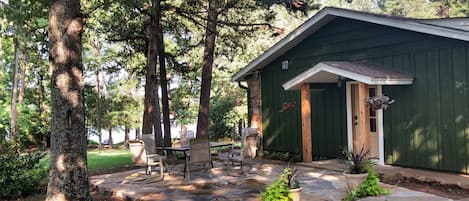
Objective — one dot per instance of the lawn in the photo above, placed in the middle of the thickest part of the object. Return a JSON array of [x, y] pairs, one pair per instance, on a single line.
[[104, 159]]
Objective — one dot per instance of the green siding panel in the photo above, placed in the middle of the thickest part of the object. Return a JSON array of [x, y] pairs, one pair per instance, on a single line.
[[427, 126]]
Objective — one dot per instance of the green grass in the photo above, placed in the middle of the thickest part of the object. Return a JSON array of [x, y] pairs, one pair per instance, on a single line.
[[104, 159]]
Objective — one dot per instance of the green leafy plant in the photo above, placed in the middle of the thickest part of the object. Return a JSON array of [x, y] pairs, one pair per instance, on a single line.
[[358, 162], [280, 188], [369, 187], [20, 174], [277, 191]]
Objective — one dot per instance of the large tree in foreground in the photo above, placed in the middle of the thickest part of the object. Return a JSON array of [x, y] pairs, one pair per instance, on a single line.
[[68, 178]]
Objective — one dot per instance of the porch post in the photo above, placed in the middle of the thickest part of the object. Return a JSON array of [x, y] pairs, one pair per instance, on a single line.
[[363, 118], [306, 123]]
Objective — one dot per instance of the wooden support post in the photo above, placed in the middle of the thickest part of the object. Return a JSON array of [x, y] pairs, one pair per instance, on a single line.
[[306, 123], [363, 117]]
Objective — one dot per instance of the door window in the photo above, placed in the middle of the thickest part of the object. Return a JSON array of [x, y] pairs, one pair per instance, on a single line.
[[372, 93]]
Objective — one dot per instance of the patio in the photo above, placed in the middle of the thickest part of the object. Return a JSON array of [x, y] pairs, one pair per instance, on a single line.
[[230, 183]]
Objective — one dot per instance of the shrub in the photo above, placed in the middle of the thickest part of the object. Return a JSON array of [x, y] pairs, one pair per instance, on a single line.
[[20, 174], [369, 187], [358, 162], [280, 188]]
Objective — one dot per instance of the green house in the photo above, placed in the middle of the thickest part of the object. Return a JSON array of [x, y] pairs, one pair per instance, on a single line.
[[326, 85]]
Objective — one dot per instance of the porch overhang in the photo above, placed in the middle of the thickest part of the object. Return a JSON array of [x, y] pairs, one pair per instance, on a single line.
[[332, 72]]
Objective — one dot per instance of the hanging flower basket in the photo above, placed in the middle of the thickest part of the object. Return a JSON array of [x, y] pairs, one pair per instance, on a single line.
[[288, 106], [379, 102]]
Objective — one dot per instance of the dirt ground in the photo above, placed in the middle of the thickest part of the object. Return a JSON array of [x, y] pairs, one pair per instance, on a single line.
[[449, 191]]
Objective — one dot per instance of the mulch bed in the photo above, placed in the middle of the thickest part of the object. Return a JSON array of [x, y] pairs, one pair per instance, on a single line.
[[451, 191]]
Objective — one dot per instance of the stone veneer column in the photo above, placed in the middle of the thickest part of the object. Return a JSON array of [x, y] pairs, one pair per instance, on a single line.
[[255, 101]]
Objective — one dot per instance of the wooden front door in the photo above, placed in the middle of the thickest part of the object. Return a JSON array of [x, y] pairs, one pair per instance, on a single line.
[[371, 120]]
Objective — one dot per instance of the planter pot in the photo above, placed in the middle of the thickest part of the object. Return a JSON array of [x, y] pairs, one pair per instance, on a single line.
[[354, 180], [296, 193]]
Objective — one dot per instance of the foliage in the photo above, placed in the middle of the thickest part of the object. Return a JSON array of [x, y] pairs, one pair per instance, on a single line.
[[224, 114], [20, 174], [369, 187], [358, 162], [290, 174], [278, 190], [283, 156]]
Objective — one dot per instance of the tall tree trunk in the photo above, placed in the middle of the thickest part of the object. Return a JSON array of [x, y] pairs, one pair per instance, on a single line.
[[68, 176], [1, 51], [210, 36], [157, 119], [23, 73], [43, 109], [163, 81], [106, 108], [99, 115], [126, 137], [14, 94], [151, 102]]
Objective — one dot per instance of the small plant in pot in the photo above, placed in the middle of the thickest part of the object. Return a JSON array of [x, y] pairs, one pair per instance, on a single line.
[[358, 164], [285, 187]]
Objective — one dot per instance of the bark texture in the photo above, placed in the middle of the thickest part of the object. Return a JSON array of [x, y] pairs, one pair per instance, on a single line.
[[99, 115], [163, 79], [24, 65], [210, 36], [68, 176], [14, 95], [106, 108], [151, 113]]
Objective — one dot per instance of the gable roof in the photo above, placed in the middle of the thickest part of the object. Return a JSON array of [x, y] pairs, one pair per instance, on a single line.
[[333, 71], [456, 28]]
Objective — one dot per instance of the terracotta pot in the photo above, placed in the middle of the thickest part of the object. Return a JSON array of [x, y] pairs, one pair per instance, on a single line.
[[296, 193], [354, 180]]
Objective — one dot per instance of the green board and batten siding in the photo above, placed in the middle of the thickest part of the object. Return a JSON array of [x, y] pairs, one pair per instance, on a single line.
[[427, 126]]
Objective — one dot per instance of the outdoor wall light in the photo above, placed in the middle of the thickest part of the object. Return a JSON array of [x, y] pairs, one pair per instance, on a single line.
[[285, 65]]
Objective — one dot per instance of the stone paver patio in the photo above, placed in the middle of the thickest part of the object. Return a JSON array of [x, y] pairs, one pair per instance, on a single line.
[[230, 183]]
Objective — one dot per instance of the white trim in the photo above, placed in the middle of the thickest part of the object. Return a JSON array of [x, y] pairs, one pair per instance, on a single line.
[[379, 116], [328, 14], [296, 82], [348, 91]]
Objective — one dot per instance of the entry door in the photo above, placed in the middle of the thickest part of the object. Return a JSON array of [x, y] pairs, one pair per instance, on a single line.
[[373, 121]]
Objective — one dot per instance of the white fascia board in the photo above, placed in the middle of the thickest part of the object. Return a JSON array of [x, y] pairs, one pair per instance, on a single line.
[[403, 24], [285, 44], [296, 82]]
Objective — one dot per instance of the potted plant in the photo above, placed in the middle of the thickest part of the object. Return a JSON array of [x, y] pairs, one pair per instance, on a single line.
[[293, 184], [286, 187], [358, 164]]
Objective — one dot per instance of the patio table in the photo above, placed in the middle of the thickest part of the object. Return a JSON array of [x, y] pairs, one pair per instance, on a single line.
[[185, 149]]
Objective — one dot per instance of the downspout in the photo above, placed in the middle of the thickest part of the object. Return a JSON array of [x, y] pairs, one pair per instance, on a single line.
[[241, 86]]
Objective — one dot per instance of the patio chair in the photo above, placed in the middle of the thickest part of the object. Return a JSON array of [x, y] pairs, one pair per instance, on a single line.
[[234, 155], [144, 154], [199, 153]]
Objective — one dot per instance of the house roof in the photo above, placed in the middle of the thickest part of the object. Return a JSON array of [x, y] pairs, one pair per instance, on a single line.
[[455, 28], [331, 72]]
